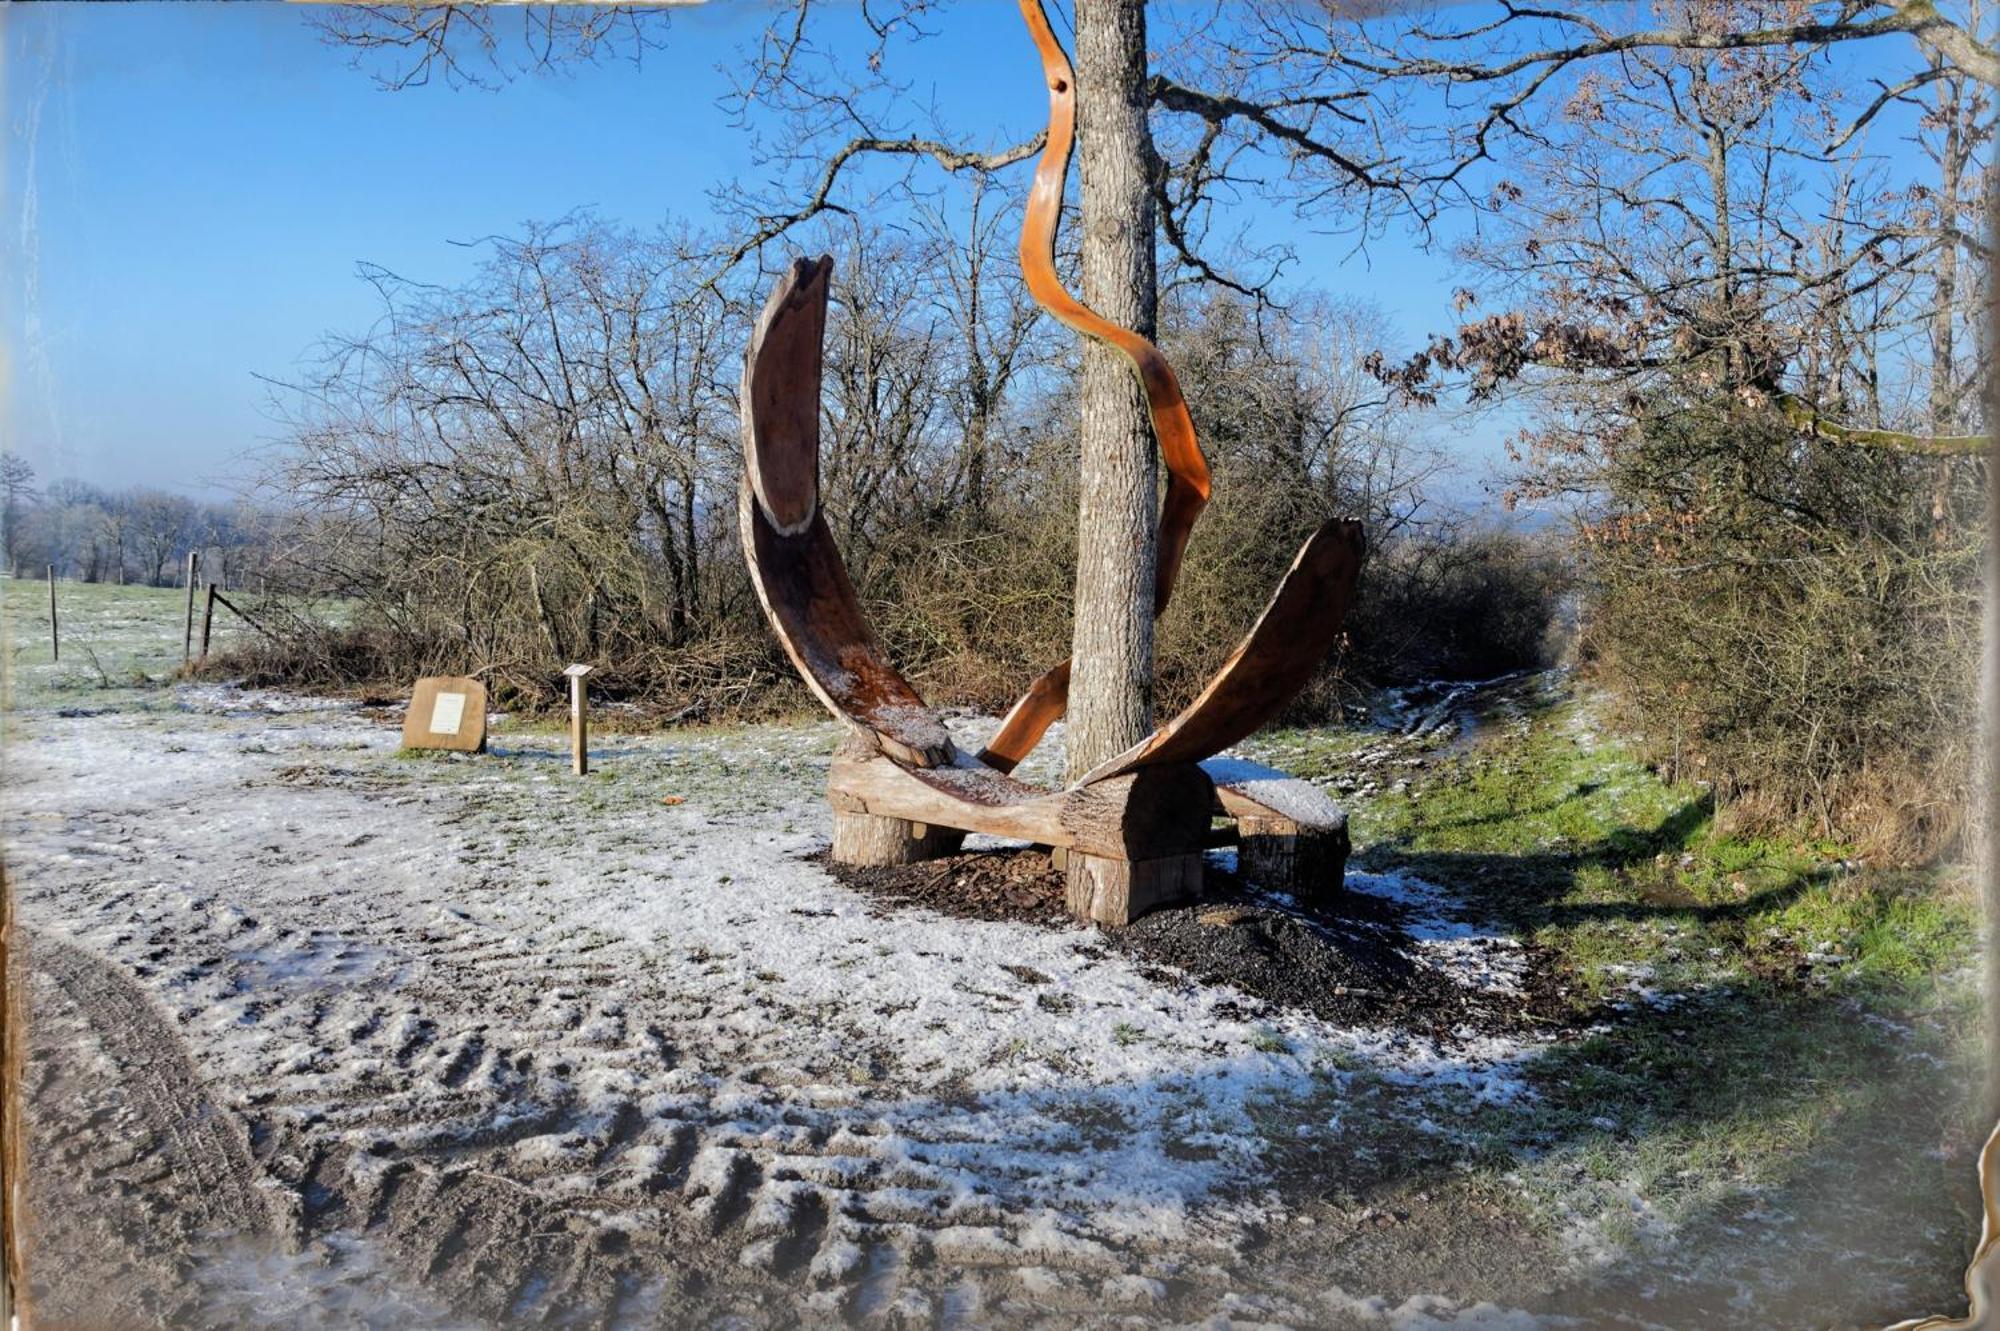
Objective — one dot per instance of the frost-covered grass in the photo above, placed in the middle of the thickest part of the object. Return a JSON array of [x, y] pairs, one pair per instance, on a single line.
[[117, 642]]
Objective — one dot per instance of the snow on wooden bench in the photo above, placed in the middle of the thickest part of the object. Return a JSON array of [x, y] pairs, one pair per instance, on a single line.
[[1291, 837]]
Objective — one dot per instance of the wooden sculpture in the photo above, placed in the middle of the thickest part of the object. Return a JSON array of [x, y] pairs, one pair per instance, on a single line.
[[1133, 829]]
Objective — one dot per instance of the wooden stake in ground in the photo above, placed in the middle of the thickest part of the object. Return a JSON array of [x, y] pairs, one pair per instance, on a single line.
[[187, 643], [207, 622], [579, 721], [55, 638]]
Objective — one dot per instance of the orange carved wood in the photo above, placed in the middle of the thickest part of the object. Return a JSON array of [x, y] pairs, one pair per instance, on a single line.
[[1187, 472]]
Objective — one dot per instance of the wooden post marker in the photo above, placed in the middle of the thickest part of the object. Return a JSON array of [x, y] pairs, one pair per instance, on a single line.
[[187, 644], [207, 622], [55, 638], [579, 720], [447, 713]]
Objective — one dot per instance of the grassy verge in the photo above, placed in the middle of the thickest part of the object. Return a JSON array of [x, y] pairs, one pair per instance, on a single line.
[[1751, 1007]]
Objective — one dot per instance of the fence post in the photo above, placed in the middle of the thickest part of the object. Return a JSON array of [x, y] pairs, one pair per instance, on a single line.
[[187, 643], [55, 638], [207, 622]]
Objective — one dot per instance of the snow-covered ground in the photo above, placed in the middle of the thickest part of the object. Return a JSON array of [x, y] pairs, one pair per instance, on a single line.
[[662, 1020]]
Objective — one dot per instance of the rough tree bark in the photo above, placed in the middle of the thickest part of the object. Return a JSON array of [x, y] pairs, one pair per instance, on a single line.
[[1111, 689], [1986, 762]]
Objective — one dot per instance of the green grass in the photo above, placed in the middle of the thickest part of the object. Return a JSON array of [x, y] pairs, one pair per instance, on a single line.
[[1753, 1003]]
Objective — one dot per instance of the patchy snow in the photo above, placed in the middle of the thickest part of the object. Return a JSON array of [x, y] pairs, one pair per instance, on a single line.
[[573, 981], [1477, 952]]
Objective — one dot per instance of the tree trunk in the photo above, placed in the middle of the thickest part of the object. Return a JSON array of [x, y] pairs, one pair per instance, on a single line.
[[1111, 688], [1985, 847], [1944, 302]]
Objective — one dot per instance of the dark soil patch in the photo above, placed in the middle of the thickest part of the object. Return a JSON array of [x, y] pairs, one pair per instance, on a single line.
[[1347, 961], [1019, 886]]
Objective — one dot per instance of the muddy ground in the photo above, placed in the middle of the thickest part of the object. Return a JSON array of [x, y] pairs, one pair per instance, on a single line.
[[325, 1036]]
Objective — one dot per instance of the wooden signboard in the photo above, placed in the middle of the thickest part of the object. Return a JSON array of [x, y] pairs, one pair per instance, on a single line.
[[447, 713]]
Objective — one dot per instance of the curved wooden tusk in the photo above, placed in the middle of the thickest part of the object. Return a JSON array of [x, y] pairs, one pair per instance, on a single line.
[[1187, 472], [780, 397], [794, 564], [1269, 667]]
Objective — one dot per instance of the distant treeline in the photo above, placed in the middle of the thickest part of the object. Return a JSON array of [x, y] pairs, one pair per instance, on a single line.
[[140, 535]]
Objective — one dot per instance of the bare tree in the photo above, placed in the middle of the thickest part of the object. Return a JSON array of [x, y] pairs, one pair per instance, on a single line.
[[17, 490]]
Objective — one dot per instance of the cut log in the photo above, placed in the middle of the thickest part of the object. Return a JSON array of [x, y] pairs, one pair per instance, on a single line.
[[861, 838], [1280, 856], [1117, 892]]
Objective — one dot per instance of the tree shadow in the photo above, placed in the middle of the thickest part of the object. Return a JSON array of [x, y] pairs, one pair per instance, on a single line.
[[1531, 890]]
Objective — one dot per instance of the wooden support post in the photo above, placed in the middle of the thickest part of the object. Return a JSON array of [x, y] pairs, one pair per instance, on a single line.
[[864, 838], [1118, 892], [1281, 855], [187, 643], [579, 721], [55, 638], [207, 622]]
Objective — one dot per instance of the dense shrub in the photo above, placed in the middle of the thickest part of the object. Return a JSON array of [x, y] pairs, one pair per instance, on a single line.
[[542, 466], [1794, 621]]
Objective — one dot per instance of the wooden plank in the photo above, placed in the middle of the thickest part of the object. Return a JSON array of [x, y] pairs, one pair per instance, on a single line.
[[1289, 641], [962, 796], [55, 635], [1144, 815], [446, 712]]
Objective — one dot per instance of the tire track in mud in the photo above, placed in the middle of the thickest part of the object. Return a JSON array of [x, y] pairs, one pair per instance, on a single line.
[[534, 1125], [138, 1168], [610, 1207]]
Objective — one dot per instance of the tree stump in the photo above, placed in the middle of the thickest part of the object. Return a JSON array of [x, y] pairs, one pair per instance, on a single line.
[[1280, 855], [1117, 892]]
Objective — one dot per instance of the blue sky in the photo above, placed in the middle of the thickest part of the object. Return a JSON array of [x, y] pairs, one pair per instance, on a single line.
[[191, 188]]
